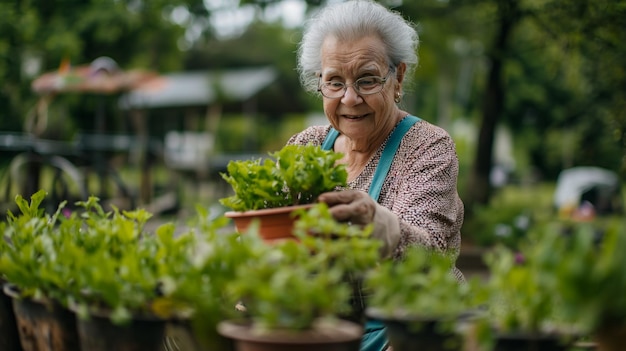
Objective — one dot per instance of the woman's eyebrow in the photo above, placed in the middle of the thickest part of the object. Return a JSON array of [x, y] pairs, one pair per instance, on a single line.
[[360, 72]]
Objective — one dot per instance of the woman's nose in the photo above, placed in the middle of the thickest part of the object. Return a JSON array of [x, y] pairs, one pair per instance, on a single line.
[[351, 97]]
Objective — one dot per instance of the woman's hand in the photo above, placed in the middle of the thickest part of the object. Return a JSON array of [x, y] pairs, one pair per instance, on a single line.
[[357, 207], [351, 206]]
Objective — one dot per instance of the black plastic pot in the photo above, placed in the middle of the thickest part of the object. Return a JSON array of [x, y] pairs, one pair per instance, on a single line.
[[180, 336], [407, 333], [43, 325], [9, 337], [99, 333], [529, 342]]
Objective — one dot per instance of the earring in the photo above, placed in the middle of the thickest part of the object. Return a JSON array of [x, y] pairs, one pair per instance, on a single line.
[[398, 97]]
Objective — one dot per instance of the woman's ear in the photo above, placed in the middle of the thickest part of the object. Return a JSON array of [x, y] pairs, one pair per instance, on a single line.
[[400, 71]]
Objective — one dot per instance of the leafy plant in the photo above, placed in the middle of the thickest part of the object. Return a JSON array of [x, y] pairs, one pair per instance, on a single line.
[[131, 261], [294, 175], [291, 284], [29, 244], [590, 272], [566, 280], [519, 294], [421, 285], [509, 216], [344, 245], [506, 224], [419, 299], [97, 261], [199, 285]]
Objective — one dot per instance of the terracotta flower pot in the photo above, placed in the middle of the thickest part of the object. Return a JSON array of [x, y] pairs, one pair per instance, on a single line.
[[274, 223], [339, 336]]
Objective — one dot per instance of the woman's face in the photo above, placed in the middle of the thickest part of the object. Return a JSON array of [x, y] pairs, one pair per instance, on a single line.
[[359, 116]]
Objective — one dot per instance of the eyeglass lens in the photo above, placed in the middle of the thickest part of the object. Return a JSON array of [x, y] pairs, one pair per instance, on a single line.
[[363, 86]]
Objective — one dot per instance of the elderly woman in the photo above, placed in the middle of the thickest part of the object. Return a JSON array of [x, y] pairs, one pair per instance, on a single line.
[[402, 171]]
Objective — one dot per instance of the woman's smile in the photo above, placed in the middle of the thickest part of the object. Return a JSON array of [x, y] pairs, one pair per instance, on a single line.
[[355, 117]]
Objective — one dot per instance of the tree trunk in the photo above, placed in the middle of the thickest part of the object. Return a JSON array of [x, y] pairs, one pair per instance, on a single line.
[[479, 189]]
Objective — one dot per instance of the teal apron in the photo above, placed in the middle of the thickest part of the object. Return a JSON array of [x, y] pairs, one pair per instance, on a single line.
[[374, 337]]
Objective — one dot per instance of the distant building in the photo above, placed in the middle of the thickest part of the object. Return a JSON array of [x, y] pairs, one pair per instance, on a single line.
[[185, 108], [200, 88]]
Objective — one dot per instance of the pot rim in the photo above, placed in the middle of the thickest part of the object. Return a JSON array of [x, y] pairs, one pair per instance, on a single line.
[[400, 314], [322, 332], [102, 312], [265, 211], [14, 292]]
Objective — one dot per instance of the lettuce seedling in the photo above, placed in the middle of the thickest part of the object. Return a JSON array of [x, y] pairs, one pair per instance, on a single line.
[[294, 175]]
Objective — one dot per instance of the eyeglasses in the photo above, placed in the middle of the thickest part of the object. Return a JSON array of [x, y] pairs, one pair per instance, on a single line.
[[334, 89]]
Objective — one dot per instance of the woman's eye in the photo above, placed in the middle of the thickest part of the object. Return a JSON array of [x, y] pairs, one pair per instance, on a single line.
[[335, 84], [367, 82]]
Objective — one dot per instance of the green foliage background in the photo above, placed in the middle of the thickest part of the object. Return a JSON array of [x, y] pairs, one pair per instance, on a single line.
[[562, 76]]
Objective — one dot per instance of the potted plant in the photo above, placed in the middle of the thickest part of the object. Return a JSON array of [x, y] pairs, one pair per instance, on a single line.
[[591, 277], [269, 190], [9, 335], [295, 292], [201, 284], [561, 283], [26, 251], [520, 306], [124, 283], [123, 301], [419, 300], [156, 279]]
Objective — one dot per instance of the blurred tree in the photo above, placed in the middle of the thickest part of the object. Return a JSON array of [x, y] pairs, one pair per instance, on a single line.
[[570, 58], [260, 45], [473, 29], [549, 68], [36, 35]]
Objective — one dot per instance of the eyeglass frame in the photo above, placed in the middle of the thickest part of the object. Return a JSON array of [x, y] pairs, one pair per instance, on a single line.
[[355, 85]]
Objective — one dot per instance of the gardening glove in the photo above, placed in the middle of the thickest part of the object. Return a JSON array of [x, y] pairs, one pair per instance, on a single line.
[[357, 207]]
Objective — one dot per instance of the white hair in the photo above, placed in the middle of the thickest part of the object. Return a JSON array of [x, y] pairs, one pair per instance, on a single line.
[[350, 21]]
